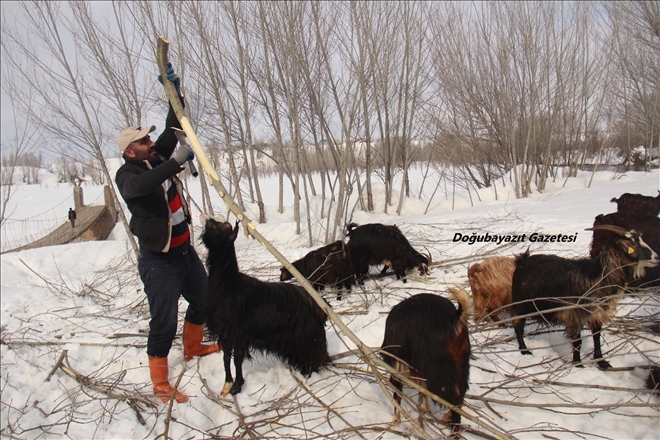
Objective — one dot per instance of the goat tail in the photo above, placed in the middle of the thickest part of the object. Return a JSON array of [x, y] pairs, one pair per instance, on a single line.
[[464, 304], [350, 228]]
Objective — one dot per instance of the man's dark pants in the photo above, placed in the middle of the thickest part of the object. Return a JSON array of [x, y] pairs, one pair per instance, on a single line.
[[166, 278]]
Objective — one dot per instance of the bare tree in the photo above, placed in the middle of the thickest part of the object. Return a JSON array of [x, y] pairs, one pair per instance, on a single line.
[[343, 95], [530, 84], [25, 141], [242, 71], [359, 15], [212, 73], [70, 91], [635, 30], [385, 54], [266, 96], [413, 84], [287, 19]]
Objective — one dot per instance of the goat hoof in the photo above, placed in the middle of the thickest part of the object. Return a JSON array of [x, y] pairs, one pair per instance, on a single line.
[[236, 388], [604, 365], [526, 352], [225, 388]]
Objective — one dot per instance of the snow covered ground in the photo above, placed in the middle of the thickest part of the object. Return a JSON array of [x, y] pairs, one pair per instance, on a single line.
[[85, 299]]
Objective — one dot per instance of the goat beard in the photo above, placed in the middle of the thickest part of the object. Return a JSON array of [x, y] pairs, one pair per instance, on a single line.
[[639, 269]]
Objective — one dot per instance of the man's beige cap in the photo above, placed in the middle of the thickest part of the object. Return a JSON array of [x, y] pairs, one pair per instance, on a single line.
[[132, 134]]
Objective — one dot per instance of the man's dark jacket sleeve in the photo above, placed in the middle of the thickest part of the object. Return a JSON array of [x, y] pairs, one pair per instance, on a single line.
[[167, 141]]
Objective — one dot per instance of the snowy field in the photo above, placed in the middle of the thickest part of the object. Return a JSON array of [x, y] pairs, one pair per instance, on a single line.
[[82, 305]]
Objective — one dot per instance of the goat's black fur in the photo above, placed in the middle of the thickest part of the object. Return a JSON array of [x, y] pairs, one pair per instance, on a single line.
[[245, 313], [647, 226], [653, 379], [637, 204], [375, 244], [545, 282], [329, 265], [430, 336]]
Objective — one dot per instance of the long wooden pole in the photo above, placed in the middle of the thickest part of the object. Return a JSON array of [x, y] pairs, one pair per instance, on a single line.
[[369, 356]]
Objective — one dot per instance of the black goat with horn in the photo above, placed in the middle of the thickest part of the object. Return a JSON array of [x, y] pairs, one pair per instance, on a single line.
[[245, 313]]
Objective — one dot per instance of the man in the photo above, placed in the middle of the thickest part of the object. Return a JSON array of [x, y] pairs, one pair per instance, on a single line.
[[72, 217], [169, 266]]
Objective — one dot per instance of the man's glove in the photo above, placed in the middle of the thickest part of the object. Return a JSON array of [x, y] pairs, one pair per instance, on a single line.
[[183, 154], [172, 77]]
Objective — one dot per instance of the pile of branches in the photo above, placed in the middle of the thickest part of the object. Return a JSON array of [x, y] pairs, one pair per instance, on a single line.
[[103, 395]]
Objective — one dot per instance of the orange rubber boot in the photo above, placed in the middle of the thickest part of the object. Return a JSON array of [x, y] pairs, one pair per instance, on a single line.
[[159, 371], [192, 341]]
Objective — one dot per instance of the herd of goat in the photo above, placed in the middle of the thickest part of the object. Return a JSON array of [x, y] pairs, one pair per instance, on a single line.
[[426, 336]]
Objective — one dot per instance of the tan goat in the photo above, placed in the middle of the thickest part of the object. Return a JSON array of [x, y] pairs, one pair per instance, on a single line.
[[490, 282]]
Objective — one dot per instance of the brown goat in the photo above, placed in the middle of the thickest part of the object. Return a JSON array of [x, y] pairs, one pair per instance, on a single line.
[[637, 204], [544, 284], [648, 226], [490, 282], [426, 339]]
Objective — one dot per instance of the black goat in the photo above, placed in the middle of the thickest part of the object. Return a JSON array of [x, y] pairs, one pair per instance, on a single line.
[[542, 283], [637, 204], [426, 338], [374, 244], [244, 313], [653, 379], [648, 227], [329, 265]]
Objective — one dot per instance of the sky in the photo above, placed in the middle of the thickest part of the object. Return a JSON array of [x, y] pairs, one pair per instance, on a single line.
[[86, 299]]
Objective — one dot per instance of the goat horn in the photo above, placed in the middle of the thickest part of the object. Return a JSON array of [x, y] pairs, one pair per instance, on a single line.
[[428, 255], [616, 229]]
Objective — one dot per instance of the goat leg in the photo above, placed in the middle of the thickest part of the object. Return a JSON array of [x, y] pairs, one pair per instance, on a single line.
[[423, 404], [397, 398], [239, 355], [229, 380], [400, 271], [577, 345], [576, 338], [519, 327], [598, 354]]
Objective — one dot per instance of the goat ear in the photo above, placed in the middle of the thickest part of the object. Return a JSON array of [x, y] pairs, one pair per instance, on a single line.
[[234, 233], [632, 234], [629, 246]]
